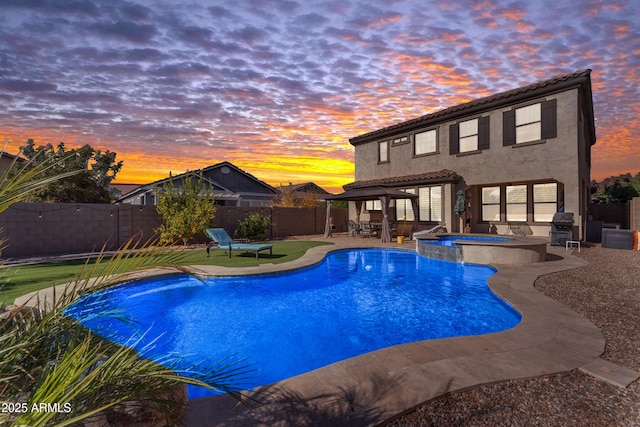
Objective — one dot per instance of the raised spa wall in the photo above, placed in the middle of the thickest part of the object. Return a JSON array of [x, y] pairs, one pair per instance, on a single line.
[[514, 250]]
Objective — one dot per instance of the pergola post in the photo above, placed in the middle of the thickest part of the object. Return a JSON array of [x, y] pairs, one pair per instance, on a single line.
[[327, 225], [414, 227], [385, 233]]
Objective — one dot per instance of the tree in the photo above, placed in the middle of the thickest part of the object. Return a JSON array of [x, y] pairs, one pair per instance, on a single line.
[[287, 198], [92, 183], [310, 200], [184, 211], [284, 198], [616, 189]]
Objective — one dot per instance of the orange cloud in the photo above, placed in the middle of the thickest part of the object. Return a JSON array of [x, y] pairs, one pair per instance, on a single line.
[[617, 150], [384, 21], [621, 30]]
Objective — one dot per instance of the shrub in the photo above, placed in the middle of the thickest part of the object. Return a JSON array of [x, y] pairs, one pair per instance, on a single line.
[[186, 210], [253, 227]]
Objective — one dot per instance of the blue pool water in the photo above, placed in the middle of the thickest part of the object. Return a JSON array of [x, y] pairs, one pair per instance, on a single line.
[[449, 240], [285, 324]]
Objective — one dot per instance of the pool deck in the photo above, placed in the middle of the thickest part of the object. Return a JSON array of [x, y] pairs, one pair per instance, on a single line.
[[370, 389]]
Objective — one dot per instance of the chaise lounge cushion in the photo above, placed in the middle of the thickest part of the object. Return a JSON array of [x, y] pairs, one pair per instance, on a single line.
[[221, 238]]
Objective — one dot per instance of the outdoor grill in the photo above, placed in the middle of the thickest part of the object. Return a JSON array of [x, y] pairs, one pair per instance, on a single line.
[[561, 226]]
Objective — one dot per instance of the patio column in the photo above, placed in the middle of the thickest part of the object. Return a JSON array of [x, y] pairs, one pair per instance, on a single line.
[[385, 234], [327, 224], [358, 209], [416, 213]]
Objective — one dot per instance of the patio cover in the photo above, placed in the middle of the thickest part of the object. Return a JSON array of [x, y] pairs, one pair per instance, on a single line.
[[385, 194]]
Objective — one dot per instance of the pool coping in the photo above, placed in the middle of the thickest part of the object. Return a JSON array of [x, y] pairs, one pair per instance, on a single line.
[[375, 387]]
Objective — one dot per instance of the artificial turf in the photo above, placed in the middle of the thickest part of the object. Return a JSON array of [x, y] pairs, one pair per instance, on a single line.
[[17, 280]]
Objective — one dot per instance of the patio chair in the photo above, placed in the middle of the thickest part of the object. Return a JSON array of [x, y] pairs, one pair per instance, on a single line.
[[352, 227], [516, 228], [368, 229], [220, 237], [393, 228]]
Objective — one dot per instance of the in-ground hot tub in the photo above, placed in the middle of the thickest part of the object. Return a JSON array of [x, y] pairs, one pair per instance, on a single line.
[[481, 248]]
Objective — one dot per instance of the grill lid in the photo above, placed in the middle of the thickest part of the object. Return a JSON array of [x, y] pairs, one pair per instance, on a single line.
[[562, 218]]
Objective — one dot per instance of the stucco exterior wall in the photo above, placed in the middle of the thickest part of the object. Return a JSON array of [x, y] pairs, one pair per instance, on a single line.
[[557, 158], [563, 159]]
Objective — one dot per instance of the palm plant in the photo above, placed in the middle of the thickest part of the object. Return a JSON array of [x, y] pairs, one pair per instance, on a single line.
[[54, 371]]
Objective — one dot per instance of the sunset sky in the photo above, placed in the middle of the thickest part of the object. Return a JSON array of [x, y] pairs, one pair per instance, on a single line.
[[278, 87]]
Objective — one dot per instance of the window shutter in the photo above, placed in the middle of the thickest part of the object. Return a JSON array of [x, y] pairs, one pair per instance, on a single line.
[[484, 133], [549, 117], [454, 139], [509, 127]]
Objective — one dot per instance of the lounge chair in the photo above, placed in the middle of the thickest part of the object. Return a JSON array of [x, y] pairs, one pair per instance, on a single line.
[[221, 238], [436, 229]]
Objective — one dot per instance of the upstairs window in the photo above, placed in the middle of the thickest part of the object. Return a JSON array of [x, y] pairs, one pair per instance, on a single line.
[[383, 152], [528, 124], [400, 140], [425, 143], [536, 122], [469, 136]]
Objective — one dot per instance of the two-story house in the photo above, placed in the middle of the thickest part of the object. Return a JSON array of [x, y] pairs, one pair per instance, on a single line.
[[518, 156]]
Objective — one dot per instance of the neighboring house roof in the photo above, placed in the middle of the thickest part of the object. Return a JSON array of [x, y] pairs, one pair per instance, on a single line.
[[7, 160], [11, 156], [580, 79], [222, 174], [226, 180], [444, 175], [149, 188], [307, 187], [124, 189]]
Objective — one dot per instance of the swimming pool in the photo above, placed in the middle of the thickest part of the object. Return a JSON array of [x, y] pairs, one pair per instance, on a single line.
[[353, 302]]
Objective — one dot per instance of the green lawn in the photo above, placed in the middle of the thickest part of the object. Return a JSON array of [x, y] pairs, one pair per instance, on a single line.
[[22, 279]]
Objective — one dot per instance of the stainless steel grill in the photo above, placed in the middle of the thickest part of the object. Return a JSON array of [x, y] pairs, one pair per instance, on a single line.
[[561, 228]]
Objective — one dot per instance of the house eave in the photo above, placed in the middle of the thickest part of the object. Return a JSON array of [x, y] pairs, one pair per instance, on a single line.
[[579, 79], [440, 177]]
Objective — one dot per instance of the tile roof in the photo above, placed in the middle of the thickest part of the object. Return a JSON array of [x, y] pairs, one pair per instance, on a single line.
[[444, 175], [581, 77], [310, 187]]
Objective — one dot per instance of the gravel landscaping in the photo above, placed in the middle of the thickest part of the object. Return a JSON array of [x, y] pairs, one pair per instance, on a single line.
[[607, 292]]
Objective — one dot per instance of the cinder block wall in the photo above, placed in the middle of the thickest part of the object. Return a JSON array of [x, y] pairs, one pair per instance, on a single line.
[[60, 228], [634, 214], [34, 229], [618, 213]]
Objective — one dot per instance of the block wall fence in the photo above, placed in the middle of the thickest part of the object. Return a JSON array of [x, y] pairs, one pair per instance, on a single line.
[[634, 214], [35, 229], [627, 214]]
